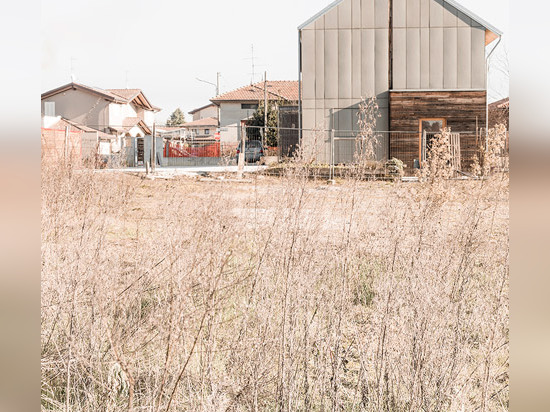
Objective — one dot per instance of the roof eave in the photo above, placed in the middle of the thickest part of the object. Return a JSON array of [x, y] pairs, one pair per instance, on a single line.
[[316, 16], [474, 17]]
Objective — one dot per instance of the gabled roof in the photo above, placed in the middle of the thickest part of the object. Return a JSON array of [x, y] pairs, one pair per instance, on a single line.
[[500, 104], [201, 108], [452, 3], [321, 13], [123, 96], [134, 94], [77, 86], [474, 17], [74, 126], [130, 122], [208, 121], [276, 90]]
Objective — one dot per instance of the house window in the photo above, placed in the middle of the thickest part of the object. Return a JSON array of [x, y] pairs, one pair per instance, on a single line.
[[246, 106], [49, 108], [206, 131]]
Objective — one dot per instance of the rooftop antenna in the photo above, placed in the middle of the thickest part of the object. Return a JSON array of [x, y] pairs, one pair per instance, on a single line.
[[73, 77], [252, 79]]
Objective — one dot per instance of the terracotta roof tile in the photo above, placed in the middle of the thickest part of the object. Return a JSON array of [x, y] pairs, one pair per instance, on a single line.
[[74, 126], [208, 121], [276, 89], [127, 94]]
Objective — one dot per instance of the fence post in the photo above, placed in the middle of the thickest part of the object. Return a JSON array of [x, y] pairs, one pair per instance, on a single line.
[[153, 151], [331, 137], [66, 148], [241, 159]]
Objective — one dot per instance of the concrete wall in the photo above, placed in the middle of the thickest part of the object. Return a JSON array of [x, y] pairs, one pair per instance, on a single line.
[[345, 56], [81, 107]]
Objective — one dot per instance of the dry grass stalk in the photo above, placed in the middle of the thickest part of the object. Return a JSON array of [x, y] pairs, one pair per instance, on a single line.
[[282, 294]]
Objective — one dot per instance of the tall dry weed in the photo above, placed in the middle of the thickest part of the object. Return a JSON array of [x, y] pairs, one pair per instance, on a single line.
[[282, 295]]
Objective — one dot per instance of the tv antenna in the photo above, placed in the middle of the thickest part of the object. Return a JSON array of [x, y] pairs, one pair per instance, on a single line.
[[73, 77], [253, 66]]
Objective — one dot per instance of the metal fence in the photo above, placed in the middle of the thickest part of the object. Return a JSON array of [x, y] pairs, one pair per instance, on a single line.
[[328, 147]]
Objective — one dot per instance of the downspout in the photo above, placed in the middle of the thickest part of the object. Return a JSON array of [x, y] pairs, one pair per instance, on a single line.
[[300, 87], [487, 84]]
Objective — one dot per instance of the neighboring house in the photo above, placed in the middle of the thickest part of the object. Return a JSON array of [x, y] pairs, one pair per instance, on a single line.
[[62, 137], [118, 112], [499, 113], [173, 132], [425, 63], [236, 106], [198, 129], [204, 128], [210, 110]]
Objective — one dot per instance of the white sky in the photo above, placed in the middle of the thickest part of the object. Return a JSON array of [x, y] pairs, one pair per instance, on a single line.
[[162, 46]]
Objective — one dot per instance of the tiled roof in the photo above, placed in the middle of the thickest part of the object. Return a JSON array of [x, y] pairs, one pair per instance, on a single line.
[[116, 95], [208, 121], [500, 104], [73, 127], [129, 122], [276, 89], [127, 94], [201, 108]]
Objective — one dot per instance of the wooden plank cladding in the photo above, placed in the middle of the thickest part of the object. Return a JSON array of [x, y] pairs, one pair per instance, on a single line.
[[462, 110], [459, 108]]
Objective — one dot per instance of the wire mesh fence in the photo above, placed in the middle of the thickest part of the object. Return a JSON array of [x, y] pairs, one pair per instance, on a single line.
[[323, 146]]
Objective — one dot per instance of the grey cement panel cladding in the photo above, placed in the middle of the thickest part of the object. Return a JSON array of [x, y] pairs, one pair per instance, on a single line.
[[345, 56]]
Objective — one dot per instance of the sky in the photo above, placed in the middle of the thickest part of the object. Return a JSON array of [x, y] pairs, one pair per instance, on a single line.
[[163, 46]]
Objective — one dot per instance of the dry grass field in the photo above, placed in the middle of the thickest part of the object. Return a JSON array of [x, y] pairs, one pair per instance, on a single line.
[[273, 294]]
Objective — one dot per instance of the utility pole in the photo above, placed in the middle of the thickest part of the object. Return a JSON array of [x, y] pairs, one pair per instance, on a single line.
[[264, 139]]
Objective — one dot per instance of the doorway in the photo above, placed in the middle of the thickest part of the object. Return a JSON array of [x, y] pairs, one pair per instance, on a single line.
[[428, 128]]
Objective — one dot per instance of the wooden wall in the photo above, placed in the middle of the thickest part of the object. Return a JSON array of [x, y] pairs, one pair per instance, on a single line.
[[459, 108]]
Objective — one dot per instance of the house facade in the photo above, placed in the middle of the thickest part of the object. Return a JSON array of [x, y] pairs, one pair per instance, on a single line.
[[117, 112], [204, 112], [203, 128], [423, 60], [237, 106]]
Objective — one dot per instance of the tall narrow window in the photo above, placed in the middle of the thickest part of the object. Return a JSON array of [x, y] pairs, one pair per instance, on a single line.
[[49, 108]]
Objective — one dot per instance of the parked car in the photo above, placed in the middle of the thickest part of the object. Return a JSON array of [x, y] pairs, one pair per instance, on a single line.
[[254, 151]]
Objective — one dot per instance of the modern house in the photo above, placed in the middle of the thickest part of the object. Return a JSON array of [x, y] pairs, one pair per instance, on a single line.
[[117, 112], [237, 106], [425, 61]]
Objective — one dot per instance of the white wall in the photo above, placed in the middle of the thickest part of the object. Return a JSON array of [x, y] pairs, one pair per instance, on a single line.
[[117, 113]]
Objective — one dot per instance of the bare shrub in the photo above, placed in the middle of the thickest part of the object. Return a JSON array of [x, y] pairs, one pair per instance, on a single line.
[[438, 166], [492, 154]]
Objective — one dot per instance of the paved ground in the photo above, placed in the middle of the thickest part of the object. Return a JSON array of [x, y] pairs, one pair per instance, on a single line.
[[187, 170]]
